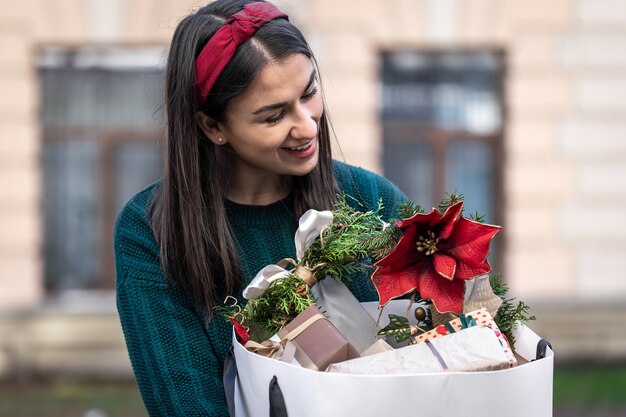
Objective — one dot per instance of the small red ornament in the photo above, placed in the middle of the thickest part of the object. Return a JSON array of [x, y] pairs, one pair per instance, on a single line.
[[434, 255], [240, 331]]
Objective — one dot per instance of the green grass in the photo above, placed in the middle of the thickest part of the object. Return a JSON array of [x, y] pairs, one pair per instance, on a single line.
[[590, 385], [70, 399]]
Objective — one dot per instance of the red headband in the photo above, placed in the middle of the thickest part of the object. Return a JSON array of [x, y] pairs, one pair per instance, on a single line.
[[220, 49]]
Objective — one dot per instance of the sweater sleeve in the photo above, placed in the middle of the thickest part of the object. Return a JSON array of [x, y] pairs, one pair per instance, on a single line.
[[175, 359]]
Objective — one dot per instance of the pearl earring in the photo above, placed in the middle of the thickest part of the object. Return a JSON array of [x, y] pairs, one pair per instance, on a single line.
[[220, 140]]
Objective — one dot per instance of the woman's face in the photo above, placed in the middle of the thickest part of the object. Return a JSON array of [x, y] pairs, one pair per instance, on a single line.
[[273, 126]]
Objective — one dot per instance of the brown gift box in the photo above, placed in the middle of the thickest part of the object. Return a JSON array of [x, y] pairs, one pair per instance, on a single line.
[[319, 345]]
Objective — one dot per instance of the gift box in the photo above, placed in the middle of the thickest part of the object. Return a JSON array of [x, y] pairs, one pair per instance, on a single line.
[[313, 341], [473, 349], [481, 318]]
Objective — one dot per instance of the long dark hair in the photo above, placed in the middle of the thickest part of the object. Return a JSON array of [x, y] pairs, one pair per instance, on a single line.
[[188, 217]]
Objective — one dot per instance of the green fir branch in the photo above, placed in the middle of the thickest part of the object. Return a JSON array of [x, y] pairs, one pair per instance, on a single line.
[[477, 217], [409, 209], [498, 286], [454, 198], [448, 201], [382, 244], [345, 247], [509, 312]]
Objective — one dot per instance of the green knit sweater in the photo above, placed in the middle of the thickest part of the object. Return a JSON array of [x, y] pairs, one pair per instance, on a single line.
[[177, 358]]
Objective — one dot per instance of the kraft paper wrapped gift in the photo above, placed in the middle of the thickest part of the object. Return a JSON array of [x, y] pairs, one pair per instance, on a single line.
[[318, 345], [473, 349]]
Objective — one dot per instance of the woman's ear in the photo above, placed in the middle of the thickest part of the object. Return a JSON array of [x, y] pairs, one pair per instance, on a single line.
[[211, 128]]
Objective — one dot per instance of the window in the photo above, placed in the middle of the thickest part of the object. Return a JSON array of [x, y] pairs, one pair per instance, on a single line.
[[442, 117], [101, 121]]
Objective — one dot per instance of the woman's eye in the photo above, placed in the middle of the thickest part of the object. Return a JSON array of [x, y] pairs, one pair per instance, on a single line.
[[276, 118], [310, 94]]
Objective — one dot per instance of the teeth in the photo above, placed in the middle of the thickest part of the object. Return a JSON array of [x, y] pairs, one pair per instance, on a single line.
[[301, 148]]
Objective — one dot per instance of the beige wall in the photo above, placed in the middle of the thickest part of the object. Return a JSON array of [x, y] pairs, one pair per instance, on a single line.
[[20, 226], [566, 101]]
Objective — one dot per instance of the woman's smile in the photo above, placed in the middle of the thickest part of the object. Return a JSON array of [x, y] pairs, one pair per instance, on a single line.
[[302, 151]]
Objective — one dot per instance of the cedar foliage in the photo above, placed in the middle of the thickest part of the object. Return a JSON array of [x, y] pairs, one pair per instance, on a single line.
[[509, 312], [282, 302]]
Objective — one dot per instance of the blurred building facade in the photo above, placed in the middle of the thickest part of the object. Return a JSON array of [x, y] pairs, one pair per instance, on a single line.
[[518, 105]]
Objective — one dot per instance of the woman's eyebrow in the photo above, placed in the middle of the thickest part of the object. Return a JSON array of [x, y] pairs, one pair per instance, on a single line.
[[276, 106]]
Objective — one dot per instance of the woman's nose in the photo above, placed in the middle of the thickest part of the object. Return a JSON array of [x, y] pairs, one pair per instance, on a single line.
[[305, 124]]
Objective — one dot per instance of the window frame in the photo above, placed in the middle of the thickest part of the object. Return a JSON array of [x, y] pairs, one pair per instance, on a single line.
[[110, 57], [398, 132]]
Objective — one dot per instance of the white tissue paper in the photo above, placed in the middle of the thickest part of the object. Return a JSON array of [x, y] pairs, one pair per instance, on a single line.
[[473, 349]]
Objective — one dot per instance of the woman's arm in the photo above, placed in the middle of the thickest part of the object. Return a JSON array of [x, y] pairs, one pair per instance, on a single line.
[[177, 359]]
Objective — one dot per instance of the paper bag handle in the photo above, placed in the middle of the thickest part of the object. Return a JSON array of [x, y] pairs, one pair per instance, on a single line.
[[230, 379], [542, 348], [277, 401]]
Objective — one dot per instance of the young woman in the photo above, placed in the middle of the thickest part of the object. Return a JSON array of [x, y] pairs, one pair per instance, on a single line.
[[248, 151]]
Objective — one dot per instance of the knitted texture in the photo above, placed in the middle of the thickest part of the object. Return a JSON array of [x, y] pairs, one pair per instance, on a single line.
[[176, 356]]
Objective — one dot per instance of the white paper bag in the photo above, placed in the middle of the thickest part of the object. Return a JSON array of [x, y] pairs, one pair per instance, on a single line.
[[345, 312], [523, 391]]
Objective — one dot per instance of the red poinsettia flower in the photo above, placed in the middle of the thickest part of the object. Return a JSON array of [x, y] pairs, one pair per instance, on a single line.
[[435, 254]]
